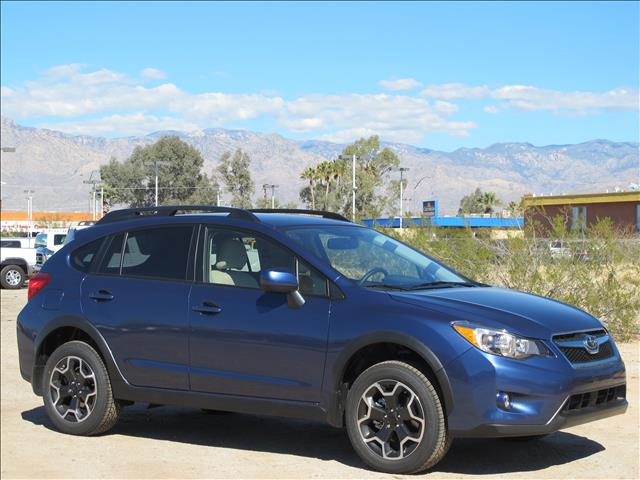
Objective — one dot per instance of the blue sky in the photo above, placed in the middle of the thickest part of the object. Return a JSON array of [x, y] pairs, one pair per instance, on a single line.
[[439, 75]]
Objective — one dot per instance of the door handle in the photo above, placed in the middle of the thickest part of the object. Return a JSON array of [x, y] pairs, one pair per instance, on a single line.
[[102, 296], [207, 308]]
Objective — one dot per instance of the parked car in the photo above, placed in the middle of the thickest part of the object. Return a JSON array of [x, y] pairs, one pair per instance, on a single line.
[[71, 233], [16, 262], [16, 242], [47, 243], [304, 314]]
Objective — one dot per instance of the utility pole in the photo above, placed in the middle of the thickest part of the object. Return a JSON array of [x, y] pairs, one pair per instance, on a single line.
[[93, 182], [30, 193], [101, 200], [402, 170]]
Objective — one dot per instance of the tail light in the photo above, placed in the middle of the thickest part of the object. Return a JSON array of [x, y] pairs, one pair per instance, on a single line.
[[37, 282]]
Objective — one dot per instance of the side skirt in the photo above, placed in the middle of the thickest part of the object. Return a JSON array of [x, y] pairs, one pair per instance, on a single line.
[[229, 403]]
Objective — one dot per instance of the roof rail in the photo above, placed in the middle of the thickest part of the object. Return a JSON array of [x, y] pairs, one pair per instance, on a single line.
[[171, 210], [320, 213]]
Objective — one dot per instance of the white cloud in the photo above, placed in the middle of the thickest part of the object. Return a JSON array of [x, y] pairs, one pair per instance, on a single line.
[[400, 84], [115, 103], [152, 74], [529, 98], [452, 91], [133, 124]]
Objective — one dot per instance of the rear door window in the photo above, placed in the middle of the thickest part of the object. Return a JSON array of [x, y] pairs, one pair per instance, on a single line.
[[58, 238], [157, 252], [112, 256]]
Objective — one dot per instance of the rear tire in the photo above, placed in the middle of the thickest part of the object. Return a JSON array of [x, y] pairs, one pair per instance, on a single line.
[[77, 391], [12, 277], [395, 419]]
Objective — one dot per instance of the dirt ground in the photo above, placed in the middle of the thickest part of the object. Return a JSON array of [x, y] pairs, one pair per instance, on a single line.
[[169, 442]]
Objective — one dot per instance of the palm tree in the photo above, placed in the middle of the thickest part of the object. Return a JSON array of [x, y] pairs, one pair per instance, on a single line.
[[488, 201], [325, 173], [311, 175]]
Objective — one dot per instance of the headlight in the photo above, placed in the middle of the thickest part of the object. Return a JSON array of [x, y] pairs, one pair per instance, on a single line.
[[500, 342]]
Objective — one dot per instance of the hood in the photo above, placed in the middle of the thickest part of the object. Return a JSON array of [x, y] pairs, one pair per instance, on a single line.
[[521, 313]]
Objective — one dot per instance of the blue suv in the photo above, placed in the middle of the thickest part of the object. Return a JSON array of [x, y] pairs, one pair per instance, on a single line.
[[304, 314]]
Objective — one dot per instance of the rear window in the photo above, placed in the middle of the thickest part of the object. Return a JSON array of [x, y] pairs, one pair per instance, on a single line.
[[10, 244], [82, 257]]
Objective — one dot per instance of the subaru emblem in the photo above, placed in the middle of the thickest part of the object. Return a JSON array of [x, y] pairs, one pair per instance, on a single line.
[[591, 344]]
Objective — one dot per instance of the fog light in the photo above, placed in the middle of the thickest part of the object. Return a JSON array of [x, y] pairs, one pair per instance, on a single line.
[[503, 400]]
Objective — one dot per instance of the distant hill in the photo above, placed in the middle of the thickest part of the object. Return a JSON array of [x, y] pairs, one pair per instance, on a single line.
[[55, 164]]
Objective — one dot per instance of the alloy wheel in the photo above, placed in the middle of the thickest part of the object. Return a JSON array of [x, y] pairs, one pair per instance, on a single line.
[[13, 278], [73, 389], [391, 419]]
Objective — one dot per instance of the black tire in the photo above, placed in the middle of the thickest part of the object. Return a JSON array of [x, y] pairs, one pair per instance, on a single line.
[[12, 277], [105, 409], [434, 441]]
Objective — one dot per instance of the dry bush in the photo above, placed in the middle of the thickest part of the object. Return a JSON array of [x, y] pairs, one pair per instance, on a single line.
[[597, 270]]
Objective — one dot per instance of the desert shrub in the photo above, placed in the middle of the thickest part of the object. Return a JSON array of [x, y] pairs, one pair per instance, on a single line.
[[597, 270]]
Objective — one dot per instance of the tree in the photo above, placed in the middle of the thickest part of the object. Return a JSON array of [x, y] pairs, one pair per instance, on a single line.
[[478, 202], [327, 190], [311, 175], [373, 168], [236, 176], [180, 177]]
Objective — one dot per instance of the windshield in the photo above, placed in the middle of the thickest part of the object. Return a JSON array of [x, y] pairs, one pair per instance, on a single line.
[[41, 240], [372, 258]]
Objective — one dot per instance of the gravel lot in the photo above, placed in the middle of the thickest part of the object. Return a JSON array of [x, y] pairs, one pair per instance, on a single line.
[[169, 442]]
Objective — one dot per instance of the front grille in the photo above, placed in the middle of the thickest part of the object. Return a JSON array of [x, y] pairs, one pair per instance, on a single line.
[[568, 337], [572, 345], [595, 398], [580, 355]]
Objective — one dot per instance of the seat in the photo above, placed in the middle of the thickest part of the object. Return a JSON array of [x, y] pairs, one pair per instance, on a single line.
[[231, 259]]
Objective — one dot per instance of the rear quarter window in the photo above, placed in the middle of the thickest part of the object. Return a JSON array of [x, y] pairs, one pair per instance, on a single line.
[[82, 257]]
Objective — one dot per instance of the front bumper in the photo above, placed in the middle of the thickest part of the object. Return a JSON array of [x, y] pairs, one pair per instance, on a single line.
[[561, 421], [544, 393]]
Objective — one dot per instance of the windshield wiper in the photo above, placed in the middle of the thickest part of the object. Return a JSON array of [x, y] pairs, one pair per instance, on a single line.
[[440, 284], [386, 286]]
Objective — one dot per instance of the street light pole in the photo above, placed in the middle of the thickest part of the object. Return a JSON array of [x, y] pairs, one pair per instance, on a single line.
[[30, 193], [402, 170], [353, 159], [273, 195]]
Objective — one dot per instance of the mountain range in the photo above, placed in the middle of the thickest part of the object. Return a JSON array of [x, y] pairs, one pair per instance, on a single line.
[[55, 165]]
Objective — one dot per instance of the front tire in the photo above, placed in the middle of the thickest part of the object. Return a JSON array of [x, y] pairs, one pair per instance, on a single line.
[[77, 391], [395, 419], [12, 277]]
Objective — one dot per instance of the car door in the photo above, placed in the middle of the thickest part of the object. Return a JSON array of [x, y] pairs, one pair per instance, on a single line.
[[245, 341], [138, 300]]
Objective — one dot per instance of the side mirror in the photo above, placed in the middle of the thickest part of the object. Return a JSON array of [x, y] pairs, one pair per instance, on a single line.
[[277, 281]]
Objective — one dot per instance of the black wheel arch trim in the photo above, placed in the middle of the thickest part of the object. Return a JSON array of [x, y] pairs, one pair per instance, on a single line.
[[339, 391], [118, 382]]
